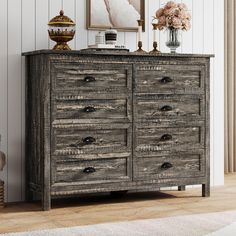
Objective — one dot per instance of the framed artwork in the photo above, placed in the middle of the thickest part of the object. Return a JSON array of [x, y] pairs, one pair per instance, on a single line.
[[117, 14]]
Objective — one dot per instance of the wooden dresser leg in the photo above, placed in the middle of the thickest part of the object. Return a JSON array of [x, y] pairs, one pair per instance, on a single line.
[[46, 202], [181, 188], [206, 190]]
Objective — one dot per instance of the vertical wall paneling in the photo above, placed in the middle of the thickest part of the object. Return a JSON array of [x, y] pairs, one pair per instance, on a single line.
[[121, 38], [27, 43], [198, 25], [69, 9], [24, 27], [41, 21], [3, 85], [14, 101], [187, 43], [131, 41], [81, 32], [91, 36], [218, 106]]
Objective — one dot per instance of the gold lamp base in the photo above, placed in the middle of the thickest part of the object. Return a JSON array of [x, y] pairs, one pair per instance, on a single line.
[[155, 50], [61, 46]]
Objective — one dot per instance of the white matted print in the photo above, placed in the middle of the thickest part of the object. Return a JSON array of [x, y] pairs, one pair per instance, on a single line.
[[118, 14]]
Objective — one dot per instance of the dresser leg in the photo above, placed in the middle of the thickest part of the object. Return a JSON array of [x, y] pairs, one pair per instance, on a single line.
[[206, 190], [46, 202], [181, 188]]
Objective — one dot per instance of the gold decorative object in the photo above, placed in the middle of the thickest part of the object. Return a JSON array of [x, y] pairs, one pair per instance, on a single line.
[[155, 50], [140, 44], [61, 30]]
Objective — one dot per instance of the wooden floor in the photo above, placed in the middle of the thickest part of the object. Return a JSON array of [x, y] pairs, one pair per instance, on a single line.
[[100, 209]]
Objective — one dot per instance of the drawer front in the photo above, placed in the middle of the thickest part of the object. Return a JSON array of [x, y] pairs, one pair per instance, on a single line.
[[156, 139], [100, 78], [154, 107], [78, 139], [182, 165], [83, 108], [87, 171], [166, 78]]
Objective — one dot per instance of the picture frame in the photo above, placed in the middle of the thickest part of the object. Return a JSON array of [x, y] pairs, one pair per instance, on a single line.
[[100, 18]]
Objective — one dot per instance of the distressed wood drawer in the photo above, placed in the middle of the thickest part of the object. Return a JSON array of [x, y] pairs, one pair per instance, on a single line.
[[74, 139], [170, 78], [153, 138], [97, 108], [154, 107], [102, 78], [68, 170], [176, 165]]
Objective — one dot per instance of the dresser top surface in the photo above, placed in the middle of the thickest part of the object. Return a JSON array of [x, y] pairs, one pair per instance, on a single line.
[[113, 53]]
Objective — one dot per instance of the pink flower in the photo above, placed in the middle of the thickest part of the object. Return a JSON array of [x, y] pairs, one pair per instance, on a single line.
[[159, 12], [176, 23], [177, 12], [162, 21], [182, 6], [183, 15], [170, 4], [160, 27], [173, 15], [169, 11], [186, 25]]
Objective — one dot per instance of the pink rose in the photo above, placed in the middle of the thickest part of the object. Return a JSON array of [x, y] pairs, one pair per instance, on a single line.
[[169, 11], [182, 15], [186, 25], [159, 12], [178, 12], [170, 4], [160, 27], [162, 21], [176, 23], [182, 6]]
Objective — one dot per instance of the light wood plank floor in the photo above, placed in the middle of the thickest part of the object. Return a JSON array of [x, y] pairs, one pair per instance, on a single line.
[[100, 209]]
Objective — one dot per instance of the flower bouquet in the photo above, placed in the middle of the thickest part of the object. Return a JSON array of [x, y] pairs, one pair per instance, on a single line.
[[173, 17]]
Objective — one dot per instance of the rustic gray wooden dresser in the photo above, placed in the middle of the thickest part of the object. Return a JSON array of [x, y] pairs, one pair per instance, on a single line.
[[100, 121]]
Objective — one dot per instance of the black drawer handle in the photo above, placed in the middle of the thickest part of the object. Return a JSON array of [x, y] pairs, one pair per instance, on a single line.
[[166, 108], [166, 166], [166, 137], [89, 79], [89, 170], [89, 109], [166, 80], [89, 140]]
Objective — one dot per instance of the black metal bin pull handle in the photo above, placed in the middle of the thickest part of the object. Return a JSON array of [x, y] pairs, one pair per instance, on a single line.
[[89, 109], [166, 137], [166, 80], [89, 170], [166, 108], [89, 79], [166, 166], [89, 140]]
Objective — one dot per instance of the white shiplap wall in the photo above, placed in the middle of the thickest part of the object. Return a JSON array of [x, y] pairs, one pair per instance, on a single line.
[[23, 27]]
